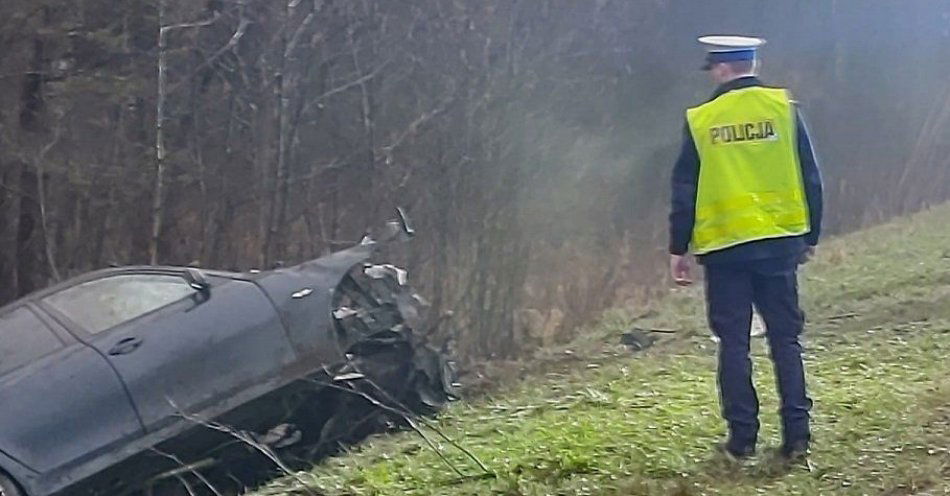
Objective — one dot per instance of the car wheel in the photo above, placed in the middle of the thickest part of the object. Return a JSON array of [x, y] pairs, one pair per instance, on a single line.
[[8, 487]]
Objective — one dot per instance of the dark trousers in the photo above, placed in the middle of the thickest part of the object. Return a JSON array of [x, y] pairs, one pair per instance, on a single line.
[[731, 291]]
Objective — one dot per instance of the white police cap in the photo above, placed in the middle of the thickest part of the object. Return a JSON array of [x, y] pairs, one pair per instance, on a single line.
[[729, 48]]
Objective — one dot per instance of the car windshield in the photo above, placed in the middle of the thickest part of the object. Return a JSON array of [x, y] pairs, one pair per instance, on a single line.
[[104, 303]]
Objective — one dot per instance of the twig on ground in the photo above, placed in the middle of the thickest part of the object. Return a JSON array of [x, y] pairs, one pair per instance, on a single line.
[[409, 421], [438, 431], [843, 316], [184, 482], [191, 468], [248, 440], [406, 413]]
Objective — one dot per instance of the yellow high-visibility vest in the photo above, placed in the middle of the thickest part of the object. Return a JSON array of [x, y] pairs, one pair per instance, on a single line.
[[750, 181]]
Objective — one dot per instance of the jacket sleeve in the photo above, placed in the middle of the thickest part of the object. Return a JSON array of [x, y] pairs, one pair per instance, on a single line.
[[683, 200], [811, 176]]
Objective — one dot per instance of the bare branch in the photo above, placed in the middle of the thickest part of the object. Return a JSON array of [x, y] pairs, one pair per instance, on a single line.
[[41, 193], [184, 482], [190, 468], [247, 439], [295, 39], [406, 414], [344, 87], [197, 24], [230, 45], [411, 424], [438, 431], [413, 128]]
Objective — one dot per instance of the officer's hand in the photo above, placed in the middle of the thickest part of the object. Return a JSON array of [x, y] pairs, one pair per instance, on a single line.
[[680, 270]]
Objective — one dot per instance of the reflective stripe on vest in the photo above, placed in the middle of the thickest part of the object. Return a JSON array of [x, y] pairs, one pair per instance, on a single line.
[[750, 182]]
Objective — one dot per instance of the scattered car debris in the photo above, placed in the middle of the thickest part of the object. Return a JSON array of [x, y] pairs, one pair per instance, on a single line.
[[303, 293], [637, 339], [280, 436]]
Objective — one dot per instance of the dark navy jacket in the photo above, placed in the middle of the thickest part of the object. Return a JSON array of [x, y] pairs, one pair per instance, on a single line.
[[683, 208]]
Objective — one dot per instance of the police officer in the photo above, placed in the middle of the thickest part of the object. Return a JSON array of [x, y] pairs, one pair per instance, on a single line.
[[747, 202]]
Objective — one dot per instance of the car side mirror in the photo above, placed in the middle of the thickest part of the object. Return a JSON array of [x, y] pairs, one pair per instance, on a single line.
[[196, 279]]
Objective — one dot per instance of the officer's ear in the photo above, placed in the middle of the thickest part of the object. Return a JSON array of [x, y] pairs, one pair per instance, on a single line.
[[717, 72]]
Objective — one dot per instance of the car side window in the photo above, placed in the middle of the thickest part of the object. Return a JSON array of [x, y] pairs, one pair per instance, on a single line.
[[105, 303], [24, 338]]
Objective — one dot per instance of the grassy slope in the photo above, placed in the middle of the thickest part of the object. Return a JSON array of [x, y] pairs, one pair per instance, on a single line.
[[615, 423]]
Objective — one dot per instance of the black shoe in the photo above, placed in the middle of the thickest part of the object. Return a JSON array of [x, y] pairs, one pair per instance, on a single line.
[[735, 455], [794, 452], [786, 457]]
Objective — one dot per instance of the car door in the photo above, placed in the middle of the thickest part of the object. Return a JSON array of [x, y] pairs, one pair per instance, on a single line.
[[60, 401], [179, 350]]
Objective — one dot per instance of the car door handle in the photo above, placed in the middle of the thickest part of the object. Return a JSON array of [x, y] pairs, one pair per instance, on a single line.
[[126, 346]]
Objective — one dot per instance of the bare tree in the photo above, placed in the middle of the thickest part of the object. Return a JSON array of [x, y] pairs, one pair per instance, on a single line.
[[530, 141], [158, 195]]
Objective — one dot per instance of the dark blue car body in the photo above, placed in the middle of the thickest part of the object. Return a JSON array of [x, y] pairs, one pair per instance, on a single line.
[[83, 390]]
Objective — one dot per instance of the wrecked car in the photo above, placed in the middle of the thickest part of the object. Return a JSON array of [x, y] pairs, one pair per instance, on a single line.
[[117, 378]]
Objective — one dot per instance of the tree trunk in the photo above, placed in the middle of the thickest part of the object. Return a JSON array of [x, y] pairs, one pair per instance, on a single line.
[[278, 203], [31, 110], [27, 261], [158, 191], [369, 130], [7, 291]]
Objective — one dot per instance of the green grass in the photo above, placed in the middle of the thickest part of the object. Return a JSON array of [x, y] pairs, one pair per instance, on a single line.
[[605, 421]]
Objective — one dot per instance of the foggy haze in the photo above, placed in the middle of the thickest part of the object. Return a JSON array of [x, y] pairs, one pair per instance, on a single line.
[[531, 141]]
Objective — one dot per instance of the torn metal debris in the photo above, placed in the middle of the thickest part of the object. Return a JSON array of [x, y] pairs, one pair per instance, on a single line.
[[637, 339]]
